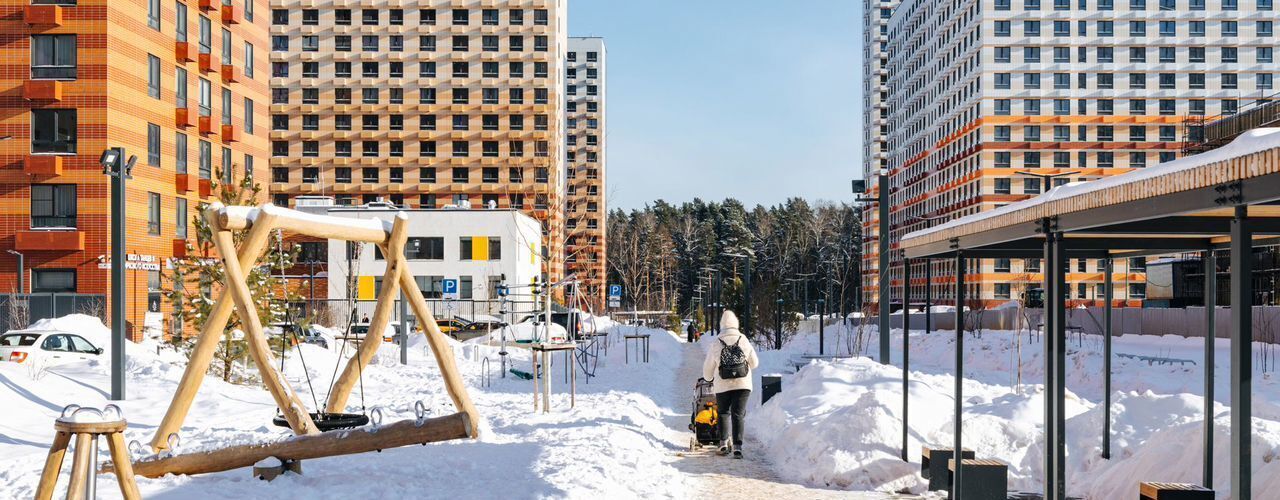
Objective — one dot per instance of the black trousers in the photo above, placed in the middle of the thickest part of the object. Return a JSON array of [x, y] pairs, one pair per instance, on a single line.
[[733, 410]]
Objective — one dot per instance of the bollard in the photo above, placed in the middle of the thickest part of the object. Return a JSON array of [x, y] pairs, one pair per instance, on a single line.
[[770, 385]]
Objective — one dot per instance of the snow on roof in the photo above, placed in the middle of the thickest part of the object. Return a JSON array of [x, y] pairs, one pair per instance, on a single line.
[[1111, 190]]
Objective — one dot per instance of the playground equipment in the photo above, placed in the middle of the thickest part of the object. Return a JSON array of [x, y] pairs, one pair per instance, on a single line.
[[259, 222], [86, 425]]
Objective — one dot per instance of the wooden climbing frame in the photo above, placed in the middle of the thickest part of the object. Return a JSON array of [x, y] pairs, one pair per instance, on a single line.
[[259, 222]]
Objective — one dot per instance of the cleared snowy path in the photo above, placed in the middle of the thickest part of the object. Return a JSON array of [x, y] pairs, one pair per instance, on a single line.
[[713, 476]]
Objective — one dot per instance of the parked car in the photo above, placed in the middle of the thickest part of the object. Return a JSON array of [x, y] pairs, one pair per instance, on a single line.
[[450, 325], [50, 347], [309, 335], [358, 332], [560, 318]]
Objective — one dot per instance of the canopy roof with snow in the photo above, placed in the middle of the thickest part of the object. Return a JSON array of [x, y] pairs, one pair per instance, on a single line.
[[1186, 204]]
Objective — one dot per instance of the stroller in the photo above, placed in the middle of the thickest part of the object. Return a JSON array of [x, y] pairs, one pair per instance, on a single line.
[[704, 420]]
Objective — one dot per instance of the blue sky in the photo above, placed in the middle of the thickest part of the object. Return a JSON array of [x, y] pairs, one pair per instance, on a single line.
[[752, 99]]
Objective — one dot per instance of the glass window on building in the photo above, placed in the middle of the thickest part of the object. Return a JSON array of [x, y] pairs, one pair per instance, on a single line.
[[53, 280]]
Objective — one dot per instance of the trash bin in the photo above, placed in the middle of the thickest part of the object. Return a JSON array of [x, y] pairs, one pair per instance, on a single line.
[[770, 385]]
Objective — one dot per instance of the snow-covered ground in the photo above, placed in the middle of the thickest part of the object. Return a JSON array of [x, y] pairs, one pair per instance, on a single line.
[[837, 423], [614, 444]]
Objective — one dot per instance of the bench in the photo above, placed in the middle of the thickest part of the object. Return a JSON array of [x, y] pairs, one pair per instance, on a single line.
[[1157, 360], [933, 463], [984, 479], [1173, 491]]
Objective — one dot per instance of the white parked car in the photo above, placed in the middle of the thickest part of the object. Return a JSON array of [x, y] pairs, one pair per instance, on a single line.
[[48, 347]]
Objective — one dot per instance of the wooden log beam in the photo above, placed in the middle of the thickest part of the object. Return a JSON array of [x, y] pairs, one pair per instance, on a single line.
[[211, 334], [290, 405], [319, 226], [440, 348], [329, 444], [394, 252]]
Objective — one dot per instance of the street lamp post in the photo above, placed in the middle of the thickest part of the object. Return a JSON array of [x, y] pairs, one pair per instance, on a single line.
[[114, 165], [777, 334], [884, 293], [822, 331], [22, 271]]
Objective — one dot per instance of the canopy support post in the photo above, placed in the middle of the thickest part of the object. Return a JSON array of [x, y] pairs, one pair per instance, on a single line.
[[958, 449], [1241, 349], [906, 348], [1210, 264], [1107, 295]]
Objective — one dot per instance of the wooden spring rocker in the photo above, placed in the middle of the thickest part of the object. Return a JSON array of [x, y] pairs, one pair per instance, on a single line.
[[86, 425], [308, 441]]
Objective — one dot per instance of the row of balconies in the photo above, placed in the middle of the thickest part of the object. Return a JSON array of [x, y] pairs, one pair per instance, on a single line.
[[455, 135], [185, 52], [343, 109], [443, 56], [521, 161], [389, 187], [187, 118], [411, 28]]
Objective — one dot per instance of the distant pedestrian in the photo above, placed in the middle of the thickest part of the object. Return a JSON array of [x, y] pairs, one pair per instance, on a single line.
[[729, 365], [692, 332]]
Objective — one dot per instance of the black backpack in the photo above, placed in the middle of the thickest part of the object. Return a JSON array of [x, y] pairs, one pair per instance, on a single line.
[[733, 362]]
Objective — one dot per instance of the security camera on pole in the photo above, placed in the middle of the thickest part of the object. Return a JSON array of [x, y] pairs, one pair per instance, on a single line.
[[114, 164]]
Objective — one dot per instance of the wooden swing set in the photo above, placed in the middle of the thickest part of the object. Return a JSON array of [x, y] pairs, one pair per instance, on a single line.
[[308, 442]]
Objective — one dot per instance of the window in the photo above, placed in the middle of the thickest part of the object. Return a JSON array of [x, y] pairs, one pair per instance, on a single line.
[[424, 248], [464, 248], [180, 152], [1002, 28], [53, 131], [461, 175], [153, 214], [153, 145], [369, 17], [153, 76], [53, 57], [53, 280], [369, 175], [180, 21], [1230, 28], [180, 218], [1003, 185], [1137, 290], [153, 14], [53, 206], [1003, 54], [279, 17]]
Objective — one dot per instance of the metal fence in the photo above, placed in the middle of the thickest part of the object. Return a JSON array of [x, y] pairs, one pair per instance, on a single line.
[[20, 310], [336, 312], [1183, 322]]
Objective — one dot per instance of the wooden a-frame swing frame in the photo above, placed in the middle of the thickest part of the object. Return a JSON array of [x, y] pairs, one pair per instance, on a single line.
[[260, 221]]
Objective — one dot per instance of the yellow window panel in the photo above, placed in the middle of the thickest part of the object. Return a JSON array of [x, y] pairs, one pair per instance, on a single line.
[[365, 288], [479, 248]]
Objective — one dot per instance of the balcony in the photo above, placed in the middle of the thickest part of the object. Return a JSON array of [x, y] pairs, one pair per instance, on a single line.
[[206, 63], [182, 183], [229, 15], [208, 5], [206, 188], [43, 15], [230, 133], [42, 165], [42, 90], [206, 125], [184, 118], [230, 74], [183, 52], [55, 240], [179, 248]]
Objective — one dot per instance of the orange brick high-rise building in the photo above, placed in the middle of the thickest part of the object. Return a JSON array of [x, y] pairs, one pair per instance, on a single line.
[[180, 85]]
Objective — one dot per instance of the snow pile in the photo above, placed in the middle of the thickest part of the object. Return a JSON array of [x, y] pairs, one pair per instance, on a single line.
[[837, 422], [616, 441]]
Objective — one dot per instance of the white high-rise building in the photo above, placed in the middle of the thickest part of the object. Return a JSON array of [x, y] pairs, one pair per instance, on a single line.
[[991, 100], [875, 118], [586, 209]]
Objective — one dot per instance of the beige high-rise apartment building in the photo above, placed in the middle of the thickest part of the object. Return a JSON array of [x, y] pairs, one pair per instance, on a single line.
[[586, 209], [427, 104]]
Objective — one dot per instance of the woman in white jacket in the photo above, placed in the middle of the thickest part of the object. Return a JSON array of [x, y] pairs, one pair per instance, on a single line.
[[729, 366]]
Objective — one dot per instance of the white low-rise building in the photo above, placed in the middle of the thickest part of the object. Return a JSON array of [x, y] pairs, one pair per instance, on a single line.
[[480, 248]]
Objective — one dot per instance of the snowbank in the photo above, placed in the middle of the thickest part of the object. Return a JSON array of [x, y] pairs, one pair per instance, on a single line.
[[837, 423]]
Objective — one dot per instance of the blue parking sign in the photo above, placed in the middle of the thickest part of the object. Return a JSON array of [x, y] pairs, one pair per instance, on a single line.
[[615, 290], [450, 288]]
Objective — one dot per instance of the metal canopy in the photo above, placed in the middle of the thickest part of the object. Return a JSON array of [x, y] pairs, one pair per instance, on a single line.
[[1219, 200]]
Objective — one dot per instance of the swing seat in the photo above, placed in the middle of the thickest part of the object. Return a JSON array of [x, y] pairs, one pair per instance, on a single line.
[[330, 421]]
